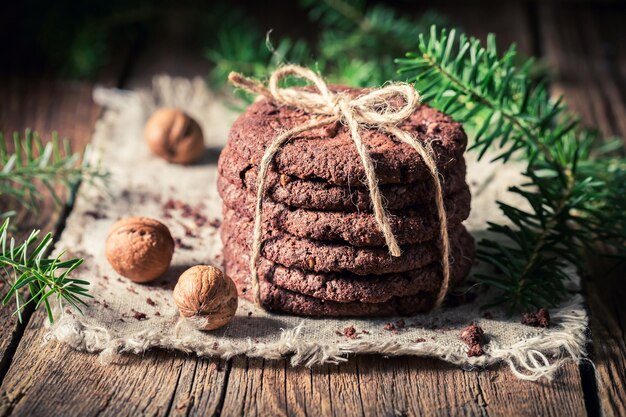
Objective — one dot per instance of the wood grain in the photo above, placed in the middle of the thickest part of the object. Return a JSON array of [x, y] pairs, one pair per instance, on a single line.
[[164, 383], [55, 380], [42, 106], [585, 46]]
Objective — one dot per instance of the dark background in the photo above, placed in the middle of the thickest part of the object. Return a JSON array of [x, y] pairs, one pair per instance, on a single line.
[[81, 39]]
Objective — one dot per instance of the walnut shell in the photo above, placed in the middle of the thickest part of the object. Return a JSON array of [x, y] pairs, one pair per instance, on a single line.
[[207, 296], [140, 248], [174, 136]]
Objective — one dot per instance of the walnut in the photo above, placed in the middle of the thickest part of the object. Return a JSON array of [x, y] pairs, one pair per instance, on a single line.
[[206, 296], [139, 248], [174, 136]]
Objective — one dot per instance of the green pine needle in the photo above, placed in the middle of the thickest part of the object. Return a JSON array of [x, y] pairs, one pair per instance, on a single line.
[[575, 196], [26, 266], [30, 168], [32, 165], [356, 46]]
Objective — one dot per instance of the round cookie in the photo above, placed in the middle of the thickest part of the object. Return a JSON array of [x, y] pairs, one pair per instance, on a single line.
[[328, 152], [279, 300], [321, 195], [346, 287], [310, 255], [409, 226]]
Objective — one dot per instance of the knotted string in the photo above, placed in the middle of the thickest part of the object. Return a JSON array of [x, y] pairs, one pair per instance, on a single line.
[[368, 110]]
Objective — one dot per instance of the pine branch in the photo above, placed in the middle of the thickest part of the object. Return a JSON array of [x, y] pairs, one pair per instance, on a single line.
[[32, 164], [572, 200], [356, 45], [26, 266]]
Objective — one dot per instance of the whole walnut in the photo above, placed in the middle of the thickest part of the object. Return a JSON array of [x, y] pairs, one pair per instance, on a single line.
[[206, 296], [140, 248], [174, 136]]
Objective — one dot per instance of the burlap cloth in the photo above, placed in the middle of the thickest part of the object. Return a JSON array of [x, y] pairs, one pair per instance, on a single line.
[[128, 317]]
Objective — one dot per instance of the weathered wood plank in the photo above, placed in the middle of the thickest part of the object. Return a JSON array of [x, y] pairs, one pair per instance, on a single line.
[[200, 387], [511, 21], [585, 45], [416, 387], [43, 106], [46, 106], [161, 383], [54, 380]]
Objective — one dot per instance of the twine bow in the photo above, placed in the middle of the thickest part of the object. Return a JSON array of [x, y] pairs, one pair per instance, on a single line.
[[368, 110]]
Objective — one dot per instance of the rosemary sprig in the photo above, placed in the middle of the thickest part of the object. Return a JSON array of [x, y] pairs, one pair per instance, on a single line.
[[26, 266], [32, 164], [572, 199]]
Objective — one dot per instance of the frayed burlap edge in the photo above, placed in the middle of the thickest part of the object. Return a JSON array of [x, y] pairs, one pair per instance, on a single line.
[[530, 359]]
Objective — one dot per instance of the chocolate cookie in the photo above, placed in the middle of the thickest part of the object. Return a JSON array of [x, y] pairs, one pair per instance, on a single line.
[[321, 195], [280, 300], [328, 153], [310, 255], [410, 226], [346, 287]]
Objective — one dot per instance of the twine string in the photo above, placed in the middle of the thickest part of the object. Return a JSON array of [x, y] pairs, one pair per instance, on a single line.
[[372, 109]]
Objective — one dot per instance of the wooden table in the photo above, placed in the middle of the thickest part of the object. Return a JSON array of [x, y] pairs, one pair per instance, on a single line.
[[584, 45]]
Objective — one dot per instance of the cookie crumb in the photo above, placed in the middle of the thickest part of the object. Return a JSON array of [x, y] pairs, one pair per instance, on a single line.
[[473, 337], [249, 313], [138, 315], [389, 327], [365, 332], [350, 332], [150, 301], [420, 340], [95, 215], [540, 318], [178, 243]]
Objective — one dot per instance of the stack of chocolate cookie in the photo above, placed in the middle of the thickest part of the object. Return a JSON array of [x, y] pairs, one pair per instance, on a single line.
[[323, 253]]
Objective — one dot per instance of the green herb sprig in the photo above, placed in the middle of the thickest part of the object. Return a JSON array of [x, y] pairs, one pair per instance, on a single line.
[[25, 173], [573, 201], [31, 164], [357, 44], [27, 266]]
